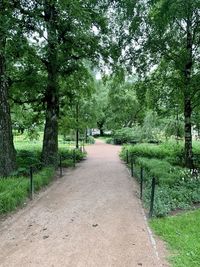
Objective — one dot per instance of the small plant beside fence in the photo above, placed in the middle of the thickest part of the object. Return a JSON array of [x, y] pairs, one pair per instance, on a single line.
[[163, 188], [14, 190], [130, 162]]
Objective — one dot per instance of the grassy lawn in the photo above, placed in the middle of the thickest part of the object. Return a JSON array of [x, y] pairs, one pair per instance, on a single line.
[[182, 234], [22, 143], [14, 190]]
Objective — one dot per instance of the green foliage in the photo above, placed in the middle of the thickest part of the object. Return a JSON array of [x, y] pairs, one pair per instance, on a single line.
[[43, 178], [182, 235], [174, 128], [161, 169], [176, 187], [14, 191], [123, 107], [69, 154], [147, 132], [181, 195], [125, 135], [26, 158], [91, 140], [170, 151], [109, 141]]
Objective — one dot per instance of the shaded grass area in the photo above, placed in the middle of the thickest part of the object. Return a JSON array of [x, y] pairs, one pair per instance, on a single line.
[[182, 235], [15, 190]]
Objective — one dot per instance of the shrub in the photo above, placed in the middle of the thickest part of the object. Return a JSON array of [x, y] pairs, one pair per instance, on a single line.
[[109, 141], [68, 154], [26, 158], [126, 135], [161, 169], [171, 152], [91, 140]]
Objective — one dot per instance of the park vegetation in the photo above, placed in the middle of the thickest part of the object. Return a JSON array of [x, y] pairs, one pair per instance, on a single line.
[[147, 56]]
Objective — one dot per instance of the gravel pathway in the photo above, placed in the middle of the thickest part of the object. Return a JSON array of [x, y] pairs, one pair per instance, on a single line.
[[91, 217]]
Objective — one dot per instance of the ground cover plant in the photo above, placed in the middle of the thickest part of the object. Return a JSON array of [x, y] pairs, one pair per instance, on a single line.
[[176, 187], [181, 232]]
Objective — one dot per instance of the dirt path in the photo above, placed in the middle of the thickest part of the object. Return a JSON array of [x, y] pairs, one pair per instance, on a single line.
[[89, 218]]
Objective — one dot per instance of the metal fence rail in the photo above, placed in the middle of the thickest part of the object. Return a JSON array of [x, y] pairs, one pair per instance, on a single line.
[[130, 163]]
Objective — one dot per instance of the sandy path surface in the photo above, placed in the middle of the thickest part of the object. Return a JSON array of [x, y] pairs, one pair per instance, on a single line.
[[89, 218]]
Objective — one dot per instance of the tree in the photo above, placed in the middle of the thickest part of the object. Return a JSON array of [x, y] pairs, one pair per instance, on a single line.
[[168, 32], [175, 34], [7, 151], [101, 107], [77, 111], [124, 109], [67, 31]]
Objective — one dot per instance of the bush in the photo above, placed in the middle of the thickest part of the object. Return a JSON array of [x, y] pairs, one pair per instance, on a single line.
[[171, 152], [68, 154], [26, 158], [91, 140], [161, 169], [125, 135], [109, 141]]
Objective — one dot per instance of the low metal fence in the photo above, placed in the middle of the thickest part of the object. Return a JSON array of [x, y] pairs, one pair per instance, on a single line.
[[130, 160]]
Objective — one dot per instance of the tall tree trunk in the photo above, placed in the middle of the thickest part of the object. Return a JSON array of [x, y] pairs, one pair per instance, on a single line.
[[101, 132], [77, 126], [187, 96], [188, 133], [86, 136], [50, 141], [77, 138], [100, 125], [7, 150]]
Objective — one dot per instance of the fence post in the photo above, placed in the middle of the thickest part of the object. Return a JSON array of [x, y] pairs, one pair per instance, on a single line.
[[152, 196], [127, 157], [74, 157], [141, 182], [132, 165], [61, 166], [31, 183]]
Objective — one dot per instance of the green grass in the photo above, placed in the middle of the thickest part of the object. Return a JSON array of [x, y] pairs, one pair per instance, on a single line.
[[182, 234], [15, 191]]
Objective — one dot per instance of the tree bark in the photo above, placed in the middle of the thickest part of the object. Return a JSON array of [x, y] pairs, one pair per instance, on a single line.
[[187, 97], [7, 150], [86, 136], [100, 125], [188, 133], [50, 140], [77, 126]]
